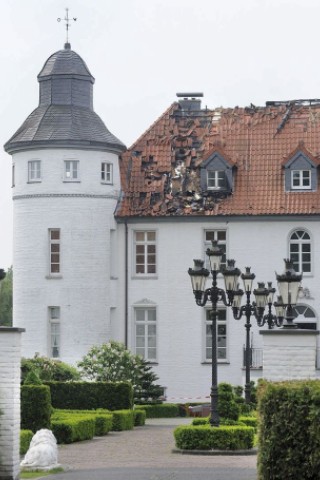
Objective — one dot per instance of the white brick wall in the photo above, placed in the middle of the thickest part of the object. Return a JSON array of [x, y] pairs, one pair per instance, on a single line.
[[10, 357], [289, 355]]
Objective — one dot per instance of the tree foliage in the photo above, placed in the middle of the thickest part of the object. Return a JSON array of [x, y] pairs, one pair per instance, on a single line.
[[48, 370], [6, 299], [113, 362]]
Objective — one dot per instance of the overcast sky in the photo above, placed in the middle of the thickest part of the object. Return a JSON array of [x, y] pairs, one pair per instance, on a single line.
[[141, 52]]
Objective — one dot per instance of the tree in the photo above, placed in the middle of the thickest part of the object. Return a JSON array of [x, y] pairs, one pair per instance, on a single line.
[[113, 362], [6, 299]]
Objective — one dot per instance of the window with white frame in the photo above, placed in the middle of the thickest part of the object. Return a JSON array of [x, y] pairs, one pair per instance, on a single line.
[[221, 237], [216, 179], [300, 251], [34, 171], [106, 172], [222, 353], [71, 170], [13, 178], [54, 324], [145, 252], [301, 179], [54, 250], [146, 333]]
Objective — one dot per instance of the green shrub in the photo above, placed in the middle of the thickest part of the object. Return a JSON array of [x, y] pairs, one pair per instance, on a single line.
[[35, 407], [91, 395], [74, 429], [48, 369], [122, 420], [103, 418], [249, 421], [163, 410], [227, 406], [139, 416], [206, 437], [32, 379], [289, 431], [25, 439]]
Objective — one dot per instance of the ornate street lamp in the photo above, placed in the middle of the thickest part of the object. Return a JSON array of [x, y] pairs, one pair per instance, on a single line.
[[255, 308], [214, 294], [269, 318], [289, 284]]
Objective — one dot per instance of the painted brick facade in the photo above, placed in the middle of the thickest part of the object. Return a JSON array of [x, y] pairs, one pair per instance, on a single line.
[[10, 355]]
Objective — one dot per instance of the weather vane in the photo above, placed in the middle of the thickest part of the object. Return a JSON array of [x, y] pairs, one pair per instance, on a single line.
[[67, 20]]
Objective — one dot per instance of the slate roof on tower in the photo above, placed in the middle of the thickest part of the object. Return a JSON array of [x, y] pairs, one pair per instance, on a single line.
[[65, 117], [165, 172]]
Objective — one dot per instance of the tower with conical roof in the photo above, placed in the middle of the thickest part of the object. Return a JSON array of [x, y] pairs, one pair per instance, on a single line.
[[65, 188]]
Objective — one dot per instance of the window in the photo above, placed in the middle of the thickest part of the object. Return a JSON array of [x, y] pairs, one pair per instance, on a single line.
[[146, 333], [221, 237], [145, 252], [34, 171], [305, 317], [300, 251], [301, 179], [13, 179], [216, 180], [54, 247], [221, 335], [216, 174], [71, 170], [300, 171], [106, 172], [54, 319]]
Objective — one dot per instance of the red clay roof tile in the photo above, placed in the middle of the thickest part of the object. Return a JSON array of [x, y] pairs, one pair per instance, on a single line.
[[160, 173]]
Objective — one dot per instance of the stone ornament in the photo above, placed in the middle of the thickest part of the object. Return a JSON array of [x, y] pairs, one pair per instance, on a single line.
[[42, 453]]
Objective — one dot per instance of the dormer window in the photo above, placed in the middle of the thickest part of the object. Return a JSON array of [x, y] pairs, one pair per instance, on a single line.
[[300, 171], [301, 179], [217, 173], [216, 180]]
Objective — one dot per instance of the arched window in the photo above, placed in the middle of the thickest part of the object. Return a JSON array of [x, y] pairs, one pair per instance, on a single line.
[[300, 251], [305, 317]]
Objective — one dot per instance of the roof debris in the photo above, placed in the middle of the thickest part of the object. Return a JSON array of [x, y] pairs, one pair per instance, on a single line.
[[161, 172]]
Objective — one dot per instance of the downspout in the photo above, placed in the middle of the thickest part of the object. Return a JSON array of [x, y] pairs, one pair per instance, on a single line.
[[126, 314]]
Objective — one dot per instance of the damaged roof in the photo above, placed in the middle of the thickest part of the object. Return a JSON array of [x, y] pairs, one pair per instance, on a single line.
[[161, 172]]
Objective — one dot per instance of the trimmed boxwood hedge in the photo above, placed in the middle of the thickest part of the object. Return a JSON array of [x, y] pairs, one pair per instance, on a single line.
[[205, 437], [74, 429], [91, 395], [289, 430], [103, 418], [122, 420], [162, 410], [139, 417], [25, 439], [35, 407]]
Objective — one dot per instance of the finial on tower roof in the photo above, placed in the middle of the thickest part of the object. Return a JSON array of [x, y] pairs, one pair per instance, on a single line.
[[67, 45]]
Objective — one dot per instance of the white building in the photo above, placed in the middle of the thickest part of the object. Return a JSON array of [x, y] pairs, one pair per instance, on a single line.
[[102, 248]]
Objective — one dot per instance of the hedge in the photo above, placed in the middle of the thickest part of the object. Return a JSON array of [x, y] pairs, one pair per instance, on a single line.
[[74, 429], [103, 418], [206, 437], [162, 410], [248, 421], [35, 407], [25, 439], [139, 417], [122, 420], [289, 431], [91, 395]]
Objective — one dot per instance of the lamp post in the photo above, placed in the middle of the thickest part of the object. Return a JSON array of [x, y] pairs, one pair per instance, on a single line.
[[288, 285], [214, 294], [255, 308]]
